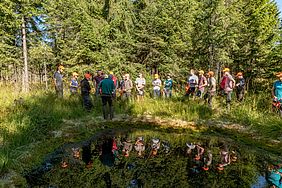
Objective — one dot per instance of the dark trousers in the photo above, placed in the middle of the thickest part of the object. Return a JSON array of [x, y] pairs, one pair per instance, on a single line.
[[59, 92], [106, 99], [240, 94], [87, 103]]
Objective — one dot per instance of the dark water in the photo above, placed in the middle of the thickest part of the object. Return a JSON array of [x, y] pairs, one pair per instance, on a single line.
[[110, 159]]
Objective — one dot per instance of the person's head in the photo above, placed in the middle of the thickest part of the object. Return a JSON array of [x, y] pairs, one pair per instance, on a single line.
[[168, 76], [210, 74], [106, 76], [74, 75], [123, 77], [239, 75], [226, 71], [61, 68], [87, 76], [279, 76], [192, 71], [140, 75], [126, 76], [99, 73], [201, 72], [156, 76]]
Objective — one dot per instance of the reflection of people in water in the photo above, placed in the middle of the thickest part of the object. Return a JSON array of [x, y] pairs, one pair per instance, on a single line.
[[155, 146], [224, 158], [140, 146], [127, 147], [190, 147], [207, 160], [274, 176], [200, 152]]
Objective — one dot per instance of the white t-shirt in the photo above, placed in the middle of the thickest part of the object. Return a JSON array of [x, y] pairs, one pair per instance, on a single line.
[[157, 84], [193, 80], [140, 82]]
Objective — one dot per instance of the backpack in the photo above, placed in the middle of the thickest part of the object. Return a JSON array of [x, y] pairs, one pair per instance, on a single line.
[[223, 82]]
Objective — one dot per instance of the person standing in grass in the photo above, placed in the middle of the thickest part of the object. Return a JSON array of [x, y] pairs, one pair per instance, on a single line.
[[96, 80], [192, 83], [107, 88], [74, 84], [211, 88], [168, 83], [240, 86], [127, 87], [58, 81], [277, 92], [227, 83], [156, 86], [121, 86], [85, 92], [202, 84], [140, 83], [115, 80]]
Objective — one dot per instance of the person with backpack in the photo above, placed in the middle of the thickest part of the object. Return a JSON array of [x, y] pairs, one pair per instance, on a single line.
[[202, 84], [74, 84], [168, 83], [140, 83], [240, 86], [277, 93], [211, 88], [227, 85], [107, 88], [192, 83], [156, 86], [85, 92]]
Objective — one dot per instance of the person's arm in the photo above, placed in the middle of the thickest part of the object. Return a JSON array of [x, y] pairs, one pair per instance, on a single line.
[[205, 82], [273, 91]]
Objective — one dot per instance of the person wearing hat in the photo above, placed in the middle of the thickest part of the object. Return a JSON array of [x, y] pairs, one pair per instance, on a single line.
[[202, 84], [85, 92], [140, 83], [96, 81], [211, 88], [156, 86], [74, 84], [277, 92], [240, 86], [115, 80], [107, 89], [168, 83], [192, 83], [227, 85], [58, 81]]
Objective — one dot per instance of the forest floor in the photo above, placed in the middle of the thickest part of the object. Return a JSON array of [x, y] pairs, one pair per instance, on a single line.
[[35, 126]]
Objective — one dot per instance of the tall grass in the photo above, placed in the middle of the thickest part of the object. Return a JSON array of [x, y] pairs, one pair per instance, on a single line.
[[23, 126]]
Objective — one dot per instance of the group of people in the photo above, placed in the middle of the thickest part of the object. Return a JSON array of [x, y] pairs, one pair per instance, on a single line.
[[201, 85]]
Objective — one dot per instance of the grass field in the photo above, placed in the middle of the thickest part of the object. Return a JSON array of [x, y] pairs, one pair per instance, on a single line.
[[28, 128]]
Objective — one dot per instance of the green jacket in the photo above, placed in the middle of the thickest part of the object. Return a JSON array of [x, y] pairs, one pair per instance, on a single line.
[[107, 87]]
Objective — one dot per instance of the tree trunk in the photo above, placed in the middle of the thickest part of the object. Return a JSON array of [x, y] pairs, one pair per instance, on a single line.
[[45, 76], [25, 71]]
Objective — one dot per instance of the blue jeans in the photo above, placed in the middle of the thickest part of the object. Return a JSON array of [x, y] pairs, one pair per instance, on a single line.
[[157, 93], [168, 92]]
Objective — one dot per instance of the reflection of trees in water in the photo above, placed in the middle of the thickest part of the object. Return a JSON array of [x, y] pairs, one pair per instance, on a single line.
[[175, 168]]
